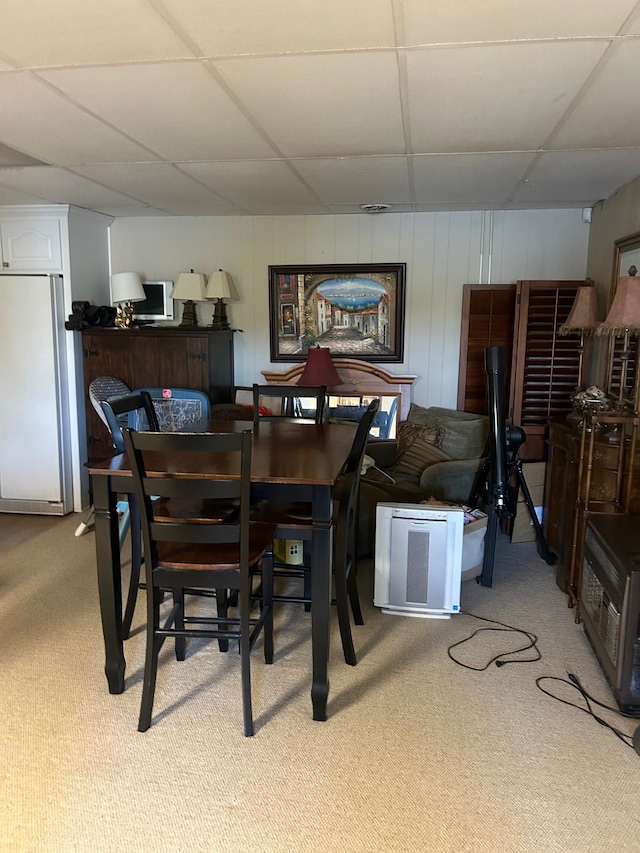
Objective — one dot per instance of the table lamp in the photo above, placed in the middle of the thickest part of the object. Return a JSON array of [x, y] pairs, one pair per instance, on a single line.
[[319, 369], [220, 287], [623, 319], [583, 318], [126, 288], [190, 287]]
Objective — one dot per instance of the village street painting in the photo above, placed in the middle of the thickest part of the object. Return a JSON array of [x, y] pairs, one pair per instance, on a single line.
[[355, 311]]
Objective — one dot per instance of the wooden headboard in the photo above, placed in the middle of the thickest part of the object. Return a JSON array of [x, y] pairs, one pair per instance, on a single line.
[[359, 378]]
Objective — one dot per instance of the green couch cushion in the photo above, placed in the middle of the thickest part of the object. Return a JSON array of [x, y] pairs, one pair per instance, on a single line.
[[464, 434], [418, 447]]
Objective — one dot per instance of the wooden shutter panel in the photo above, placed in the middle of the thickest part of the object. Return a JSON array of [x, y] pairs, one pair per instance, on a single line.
[[545, 364]]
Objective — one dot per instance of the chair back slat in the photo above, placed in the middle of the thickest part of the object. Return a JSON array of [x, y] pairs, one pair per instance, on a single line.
[[176, 408], [184, 475], [132, 403], [191, 488], [356, 454]]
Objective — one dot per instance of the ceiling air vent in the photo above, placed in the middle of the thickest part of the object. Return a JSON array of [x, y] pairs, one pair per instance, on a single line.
[[375, 208]]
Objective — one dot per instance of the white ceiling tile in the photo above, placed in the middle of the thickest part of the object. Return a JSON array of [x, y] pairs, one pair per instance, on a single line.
[[175, 109], [10, 195], [284, 26], [60, 187], [357, 180], [583, 177], [505, 97], [45, 125], [609, 112], [468, 178], [71, 32], [323, 105], [497, 20], [156, 184], [256, 186]]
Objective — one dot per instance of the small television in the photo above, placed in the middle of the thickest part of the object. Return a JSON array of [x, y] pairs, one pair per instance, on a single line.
[[158, 305]]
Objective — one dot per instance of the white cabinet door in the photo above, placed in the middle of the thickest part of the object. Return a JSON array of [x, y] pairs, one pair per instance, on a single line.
[[31, 244]]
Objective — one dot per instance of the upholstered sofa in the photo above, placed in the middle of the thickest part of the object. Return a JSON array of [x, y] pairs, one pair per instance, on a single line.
[[438, 454]]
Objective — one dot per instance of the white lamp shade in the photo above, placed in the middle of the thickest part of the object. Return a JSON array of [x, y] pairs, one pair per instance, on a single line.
[[221, 286], [126, 287], [190, 285]]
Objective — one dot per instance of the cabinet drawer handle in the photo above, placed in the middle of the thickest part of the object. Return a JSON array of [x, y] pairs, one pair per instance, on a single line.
[[198, 356], [89, 352]]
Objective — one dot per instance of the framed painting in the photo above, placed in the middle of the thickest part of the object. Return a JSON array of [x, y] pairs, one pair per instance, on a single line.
[[355, 310]]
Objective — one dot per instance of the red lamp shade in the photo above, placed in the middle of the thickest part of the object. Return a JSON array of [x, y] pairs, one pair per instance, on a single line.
[[319, 369]]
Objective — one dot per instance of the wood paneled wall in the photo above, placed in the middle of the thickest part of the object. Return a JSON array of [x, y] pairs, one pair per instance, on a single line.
[[442, 252]]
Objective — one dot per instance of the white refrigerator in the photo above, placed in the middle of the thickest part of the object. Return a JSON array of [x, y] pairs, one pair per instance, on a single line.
[[35, 456]]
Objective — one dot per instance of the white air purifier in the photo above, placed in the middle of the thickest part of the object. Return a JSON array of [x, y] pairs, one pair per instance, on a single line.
[[418, 559]]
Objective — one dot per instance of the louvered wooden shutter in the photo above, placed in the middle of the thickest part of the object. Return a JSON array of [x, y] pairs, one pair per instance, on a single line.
[[487, 321], [545, 364]]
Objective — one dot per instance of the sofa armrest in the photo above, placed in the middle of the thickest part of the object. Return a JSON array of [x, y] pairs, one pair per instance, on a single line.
[[382, 451], [451, 481]]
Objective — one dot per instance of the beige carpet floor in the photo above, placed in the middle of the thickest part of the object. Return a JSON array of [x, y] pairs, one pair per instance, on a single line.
[[418, 753]]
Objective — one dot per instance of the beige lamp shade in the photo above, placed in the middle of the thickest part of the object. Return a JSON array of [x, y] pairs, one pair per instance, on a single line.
[[583, 316], [126, 287], [624, 314], [221, 286], [190, 285]]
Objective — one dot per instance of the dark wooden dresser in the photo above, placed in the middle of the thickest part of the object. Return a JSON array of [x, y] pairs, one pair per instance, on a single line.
[[587, 474], [201, 359]]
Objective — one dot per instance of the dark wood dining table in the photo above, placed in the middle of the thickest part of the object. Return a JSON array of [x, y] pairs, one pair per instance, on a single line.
[[299, 462]]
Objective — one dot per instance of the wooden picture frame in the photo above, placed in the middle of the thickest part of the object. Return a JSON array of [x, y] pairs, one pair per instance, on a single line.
[[355, 310]]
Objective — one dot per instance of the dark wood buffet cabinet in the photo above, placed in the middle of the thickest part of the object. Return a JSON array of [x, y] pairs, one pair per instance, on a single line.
[[145, 357], [592, 468]]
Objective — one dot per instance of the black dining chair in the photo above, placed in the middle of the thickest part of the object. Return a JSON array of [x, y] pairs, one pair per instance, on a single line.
[[139, 408], [294, 521], [285, 402], [191, 556]]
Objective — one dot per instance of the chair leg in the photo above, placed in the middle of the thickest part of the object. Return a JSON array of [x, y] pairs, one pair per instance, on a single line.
[[354, 598], [352, 577], [267, 602], [222, 604], [245, 660], [344, 621], [131, 520], [151, 659], [178, 622]]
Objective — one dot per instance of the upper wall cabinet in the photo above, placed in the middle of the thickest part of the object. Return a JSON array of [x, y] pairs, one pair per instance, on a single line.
[[31, 245]]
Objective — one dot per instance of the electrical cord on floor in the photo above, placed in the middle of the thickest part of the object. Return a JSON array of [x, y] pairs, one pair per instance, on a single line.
[[573, 681], [497, 659]]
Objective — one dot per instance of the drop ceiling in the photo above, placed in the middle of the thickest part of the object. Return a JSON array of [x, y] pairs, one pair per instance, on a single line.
[[232, 107]]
